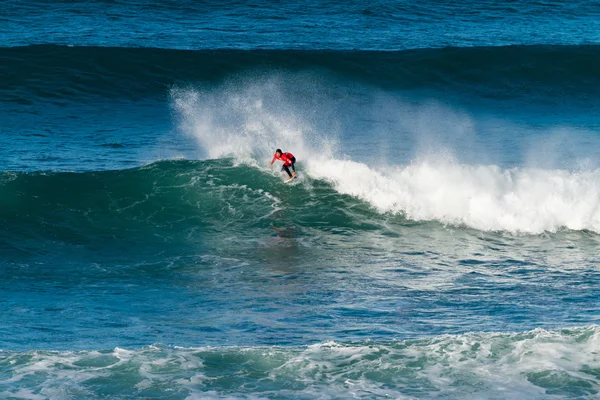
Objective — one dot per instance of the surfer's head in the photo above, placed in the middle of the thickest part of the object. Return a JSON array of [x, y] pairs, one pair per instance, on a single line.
[[278, 152]]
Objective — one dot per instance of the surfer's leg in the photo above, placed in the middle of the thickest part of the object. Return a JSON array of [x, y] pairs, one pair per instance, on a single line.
[[286, 169], [294, 165]]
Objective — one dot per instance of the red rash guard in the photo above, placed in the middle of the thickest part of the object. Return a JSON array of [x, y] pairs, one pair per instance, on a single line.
[[285, 157]]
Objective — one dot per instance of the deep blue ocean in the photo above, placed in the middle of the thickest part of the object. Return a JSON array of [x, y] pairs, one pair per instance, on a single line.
[[442, 240]]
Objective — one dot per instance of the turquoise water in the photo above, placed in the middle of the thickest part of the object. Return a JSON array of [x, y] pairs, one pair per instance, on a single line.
[[441, 240]]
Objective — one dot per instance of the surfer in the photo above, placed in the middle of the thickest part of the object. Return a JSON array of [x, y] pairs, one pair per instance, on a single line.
[[288, 161]]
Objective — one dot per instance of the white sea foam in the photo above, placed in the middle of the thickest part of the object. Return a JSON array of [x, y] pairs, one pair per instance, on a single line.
[[529, 365], [249, 121], [481, 197]]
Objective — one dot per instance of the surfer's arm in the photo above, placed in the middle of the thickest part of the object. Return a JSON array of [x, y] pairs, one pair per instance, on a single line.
[[272, 161]]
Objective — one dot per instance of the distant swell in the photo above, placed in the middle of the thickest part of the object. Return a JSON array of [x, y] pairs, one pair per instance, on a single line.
[[542, 73]]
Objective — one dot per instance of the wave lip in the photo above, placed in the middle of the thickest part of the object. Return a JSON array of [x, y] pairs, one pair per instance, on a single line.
[[528, 365]]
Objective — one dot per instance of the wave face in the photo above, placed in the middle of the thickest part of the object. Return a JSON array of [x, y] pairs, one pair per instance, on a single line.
[[152, 203], [542, 74], [539, 364]]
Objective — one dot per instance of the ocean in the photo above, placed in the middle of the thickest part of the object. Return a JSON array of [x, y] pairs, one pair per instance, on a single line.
[[441, 241]]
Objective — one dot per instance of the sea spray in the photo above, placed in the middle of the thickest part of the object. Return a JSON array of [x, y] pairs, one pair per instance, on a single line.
[[250, 118]]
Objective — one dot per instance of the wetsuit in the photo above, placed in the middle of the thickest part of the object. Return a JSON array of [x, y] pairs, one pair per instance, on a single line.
[[288, 161]]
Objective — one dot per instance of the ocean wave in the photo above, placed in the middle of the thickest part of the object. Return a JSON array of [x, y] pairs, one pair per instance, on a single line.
[[546, 74], [248, 123], [236, 128], [541, 363], [174, 196]]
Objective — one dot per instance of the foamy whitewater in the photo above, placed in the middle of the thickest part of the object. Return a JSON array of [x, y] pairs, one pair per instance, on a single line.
[[491, 365], [441, 241]]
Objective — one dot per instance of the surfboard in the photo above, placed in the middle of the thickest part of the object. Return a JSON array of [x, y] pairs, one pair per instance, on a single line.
[[291, 179]]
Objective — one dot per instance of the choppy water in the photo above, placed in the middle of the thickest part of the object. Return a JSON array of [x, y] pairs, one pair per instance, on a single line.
[[441, 242]]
